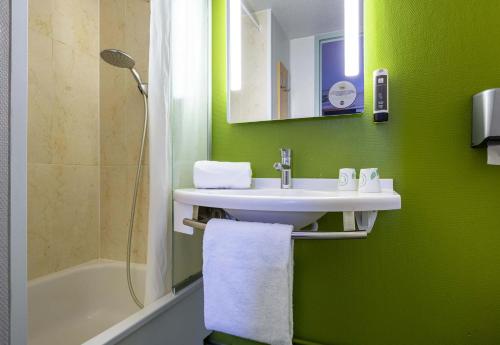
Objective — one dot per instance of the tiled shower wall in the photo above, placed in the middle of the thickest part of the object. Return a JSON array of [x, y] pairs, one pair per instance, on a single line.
[[124, 25], [63, 134], [83, 132]]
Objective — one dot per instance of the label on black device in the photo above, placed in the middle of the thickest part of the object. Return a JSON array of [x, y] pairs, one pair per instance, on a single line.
[[381, 92]]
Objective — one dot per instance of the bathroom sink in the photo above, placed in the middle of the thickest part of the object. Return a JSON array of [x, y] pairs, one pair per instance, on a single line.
[[307, 202]]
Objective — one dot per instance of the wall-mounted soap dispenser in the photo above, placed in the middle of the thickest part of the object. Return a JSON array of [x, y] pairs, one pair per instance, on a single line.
[[486, 118], [486, 123], [380, 95]]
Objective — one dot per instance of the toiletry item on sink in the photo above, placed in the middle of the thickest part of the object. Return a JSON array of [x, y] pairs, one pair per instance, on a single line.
[[369, 181], [230, 175], [248, 280], [347, 179]]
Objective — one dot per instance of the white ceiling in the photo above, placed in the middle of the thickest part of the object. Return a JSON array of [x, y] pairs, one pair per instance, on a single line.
[[301, 18]]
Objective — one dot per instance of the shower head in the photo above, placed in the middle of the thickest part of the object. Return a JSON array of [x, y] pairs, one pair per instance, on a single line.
[[118, 58]]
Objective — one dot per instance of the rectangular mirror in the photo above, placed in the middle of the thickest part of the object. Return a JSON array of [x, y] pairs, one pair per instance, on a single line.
[[290, 59]]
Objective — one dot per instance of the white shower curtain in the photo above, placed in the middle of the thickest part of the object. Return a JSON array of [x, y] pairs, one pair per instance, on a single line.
[[159, 150], [190, 71], [179, 93]]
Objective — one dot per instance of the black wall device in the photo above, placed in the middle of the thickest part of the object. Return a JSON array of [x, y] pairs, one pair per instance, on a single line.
[[380, 95]]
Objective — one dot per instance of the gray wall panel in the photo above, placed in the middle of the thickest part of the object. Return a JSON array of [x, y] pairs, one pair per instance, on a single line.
[[4, 169]]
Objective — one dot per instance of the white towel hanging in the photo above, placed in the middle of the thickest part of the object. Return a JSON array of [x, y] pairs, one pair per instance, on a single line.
[[248, 280]]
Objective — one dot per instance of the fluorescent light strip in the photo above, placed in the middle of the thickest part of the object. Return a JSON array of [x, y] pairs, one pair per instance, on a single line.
[[351, 37], [235, 43]]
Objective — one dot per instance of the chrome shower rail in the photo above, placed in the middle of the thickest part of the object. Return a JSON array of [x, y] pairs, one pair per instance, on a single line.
[[344, 235]]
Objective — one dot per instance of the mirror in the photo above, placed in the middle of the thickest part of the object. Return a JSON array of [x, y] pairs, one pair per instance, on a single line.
[[290, 59]]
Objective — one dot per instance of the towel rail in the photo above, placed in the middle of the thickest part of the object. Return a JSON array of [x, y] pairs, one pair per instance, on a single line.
[[298, 235]]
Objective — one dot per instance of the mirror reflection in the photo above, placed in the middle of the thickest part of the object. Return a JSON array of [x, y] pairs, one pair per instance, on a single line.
[[291, 59]]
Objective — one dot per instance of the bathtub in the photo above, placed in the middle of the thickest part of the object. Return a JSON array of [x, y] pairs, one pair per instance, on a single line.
[[90, 304]]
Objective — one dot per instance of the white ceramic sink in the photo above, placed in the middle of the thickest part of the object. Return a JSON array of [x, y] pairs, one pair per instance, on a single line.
[[308, 201]]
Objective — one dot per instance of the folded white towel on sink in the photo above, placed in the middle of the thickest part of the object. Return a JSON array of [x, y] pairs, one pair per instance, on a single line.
[[248, 280], [230, 175]]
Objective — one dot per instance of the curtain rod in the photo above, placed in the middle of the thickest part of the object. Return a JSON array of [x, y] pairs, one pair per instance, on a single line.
[[251, 15]]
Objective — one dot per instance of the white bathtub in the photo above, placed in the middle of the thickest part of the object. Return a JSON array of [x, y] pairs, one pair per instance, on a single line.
[[91, 303]]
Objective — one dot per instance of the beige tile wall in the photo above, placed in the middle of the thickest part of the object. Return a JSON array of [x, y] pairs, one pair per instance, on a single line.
[[125, 26], [63, 156], [251, 102], [85, 119]]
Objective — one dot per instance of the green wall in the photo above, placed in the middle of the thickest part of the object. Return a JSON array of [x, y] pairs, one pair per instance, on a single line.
[[429, 273]]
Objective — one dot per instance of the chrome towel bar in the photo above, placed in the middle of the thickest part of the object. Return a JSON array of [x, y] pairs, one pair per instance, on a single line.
[[355, 235]]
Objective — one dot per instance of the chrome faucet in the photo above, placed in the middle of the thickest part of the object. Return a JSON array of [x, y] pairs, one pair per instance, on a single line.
[[285, 167]]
